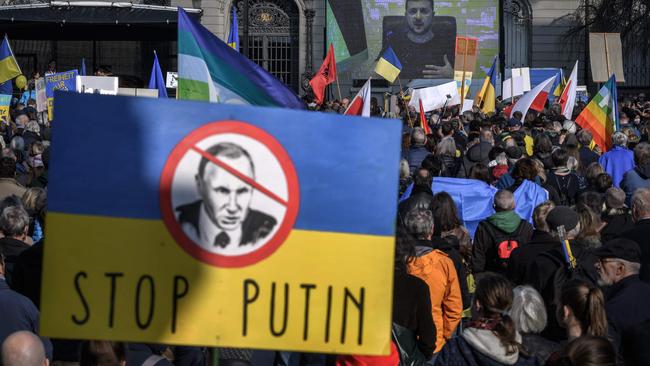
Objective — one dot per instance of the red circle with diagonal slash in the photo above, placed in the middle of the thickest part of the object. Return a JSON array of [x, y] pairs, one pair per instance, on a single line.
[[292, 203]]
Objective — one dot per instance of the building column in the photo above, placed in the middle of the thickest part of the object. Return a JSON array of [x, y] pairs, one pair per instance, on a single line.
[[309, 53]]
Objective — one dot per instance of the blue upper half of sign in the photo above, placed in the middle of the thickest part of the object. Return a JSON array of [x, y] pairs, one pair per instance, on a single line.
[[108, 154], [66, 81]]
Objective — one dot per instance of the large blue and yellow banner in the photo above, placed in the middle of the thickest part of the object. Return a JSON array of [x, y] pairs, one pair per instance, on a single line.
[[65, 81], [203, 224]]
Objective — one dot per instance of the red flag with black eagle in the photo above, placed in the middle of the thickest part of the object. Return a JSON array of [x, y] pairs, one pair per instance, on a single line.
[[325, 76]]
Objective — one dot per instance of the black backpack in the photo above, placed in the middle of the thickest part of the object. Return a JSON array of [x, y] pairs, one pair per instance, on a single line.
[[504, 244], [565, 200], [566, 273], [406, 342]]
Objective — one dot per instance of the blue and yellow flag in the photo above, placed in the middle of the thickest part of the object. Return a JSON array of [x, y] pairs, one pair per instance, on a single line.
[[219, 226], [388, 65], [486, 98], [233, 36], [9, 68]]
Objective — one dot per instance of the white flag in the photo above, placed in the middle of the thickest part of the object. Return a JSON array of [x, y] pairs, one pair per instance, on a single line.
[[568, 97]]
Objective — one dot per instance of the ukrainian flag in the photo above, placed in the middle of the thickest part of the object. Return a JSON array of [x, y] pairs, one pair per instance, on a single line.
[[486, 98], [560, 87], [233, 37], [9, 68], [388, 65]]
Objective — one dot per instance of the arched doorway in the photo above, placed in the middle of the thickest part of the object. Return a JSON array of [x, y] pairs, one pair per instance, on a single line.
[[517, 18], [273, 37]]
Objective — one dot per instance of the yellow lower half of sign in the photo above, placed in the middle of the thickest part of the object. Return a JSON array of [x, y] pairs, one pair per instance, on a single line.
[[126, 279]]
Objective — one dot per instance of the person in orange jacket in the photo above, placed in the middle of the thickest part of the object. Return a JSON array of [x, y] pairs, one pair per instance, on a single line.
[[436, 269]]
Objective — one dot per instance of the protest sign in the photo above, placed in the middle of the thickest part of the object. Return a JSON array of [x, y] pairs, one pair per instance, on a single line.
[[524, 73], [582, 95], [464, 63], [513, 87], [65, 81], [97, 85], [5, 101], [606, 56], [435, 97], [41, 97], [302, 259], [138, 92], [171, 81]]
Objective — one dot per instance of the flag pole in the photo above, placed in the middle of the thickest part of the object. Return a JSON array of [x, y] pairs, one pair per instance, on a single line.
[[512, 86], [338, 87], [462, 83], [401, 92]]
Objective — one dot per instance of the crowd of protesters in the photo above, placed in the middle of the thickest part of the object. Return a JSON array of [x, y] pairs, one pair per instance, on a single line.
[[567, 286]]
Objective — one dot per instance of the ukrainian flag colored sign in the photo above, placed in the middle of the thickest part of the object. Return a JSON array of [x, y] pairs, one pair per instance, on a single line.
[[204, 224]]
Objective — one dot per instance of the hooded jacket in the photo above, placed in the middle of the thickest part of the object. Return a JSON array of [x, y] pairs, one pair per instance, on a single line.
[[634, 179], [479, 153], [435, 268], [480, 347], [505, 224], [451, 247]]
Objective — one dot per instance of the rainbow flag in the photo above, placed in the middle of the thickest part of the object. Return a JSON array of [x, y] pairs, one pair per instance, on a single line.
[[233, 36], [9, 68], [600, 116], [210, 70], [388, 65], [486, 98]]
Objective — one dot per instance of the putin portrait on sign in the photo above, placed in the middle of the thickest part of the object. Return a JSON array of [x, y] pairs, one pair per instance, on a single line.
[[223, 218]]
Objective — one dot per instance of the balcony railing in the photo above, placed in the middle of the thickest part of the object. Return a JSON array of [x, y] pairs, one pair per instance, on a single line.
[[31, 2]]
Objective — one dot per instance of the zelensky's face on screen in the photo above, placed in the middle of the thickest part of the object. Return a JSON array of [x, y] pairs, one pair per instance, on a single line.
[[419, 16], [226, 197]]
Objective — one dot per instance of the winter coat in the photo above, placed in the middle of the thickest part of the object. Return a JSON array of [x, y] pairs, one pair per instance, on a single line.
[[616, 225], [479, 347], [634, 179], [640, 234], [451, 247], [415, 156], [522, 257], [542, 276], [412, 310], [616, 162], [626, 304], [18, 313], [479, 153], [505, 224], [436, 269], [539, 347], [587, 156]]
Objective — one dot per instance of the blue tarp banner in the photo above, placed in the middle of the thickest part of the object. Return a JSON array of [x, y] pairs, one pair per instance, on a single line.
[[474, 199]]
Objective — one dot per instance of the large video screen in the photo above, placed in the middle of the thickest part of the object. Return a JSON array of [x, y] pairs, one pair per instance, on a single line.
[[422, 33]]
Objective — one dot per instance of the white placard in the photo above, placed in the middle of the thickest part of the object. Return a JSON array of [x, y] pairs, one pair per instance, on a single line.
[[435, 97], [524, 72], [97, 84], [515, 83], [41, 97], [172, 80], [468, 104]]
